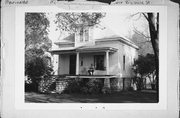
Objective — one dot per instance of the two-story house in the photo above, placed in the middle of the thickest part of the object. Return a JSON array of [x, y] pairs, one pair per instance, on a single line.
[[108, 54]]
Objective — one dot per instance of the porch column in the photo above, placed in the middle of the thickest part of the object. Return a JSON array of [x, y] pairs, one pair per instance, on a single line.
[[107, 62], [55, 60], [77, 63], [107, 80]]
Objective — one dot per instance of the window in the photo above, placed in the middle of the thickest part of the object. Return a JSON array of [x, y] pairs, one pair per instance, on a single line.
[[81, 35], [86, 35], [124, 62], [99, 62], [81, 61]]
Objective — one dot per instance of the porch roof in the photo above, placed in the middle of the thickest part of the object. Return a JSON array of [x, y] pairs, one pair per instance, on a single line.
[[95, 48], [83, 49]]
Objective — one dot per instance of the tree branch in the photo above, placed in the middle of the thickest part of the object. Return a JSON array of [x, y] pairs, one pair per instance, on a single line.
[[140, 33], [138, 13], [146, 17]]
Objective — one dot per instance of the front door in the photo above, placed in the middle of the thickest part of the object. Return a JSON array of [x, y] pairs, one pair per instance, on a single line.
[[72, 65]]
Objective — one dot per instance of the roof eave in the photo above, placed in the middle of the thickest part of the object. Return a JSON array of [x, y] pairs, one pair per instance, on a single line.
[[118, 39]]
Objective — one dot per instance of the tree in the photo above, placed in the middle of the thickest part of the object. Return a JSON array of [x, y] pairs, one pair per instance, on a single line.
[[71, 21], [144, 45], [153, 23], [37, 44], [143, 67], [36, 35], [36, 31]]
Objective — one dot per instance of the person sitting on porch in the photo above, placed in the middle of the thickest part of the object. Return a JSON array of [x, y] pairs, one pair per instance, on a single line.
[[91, 70]]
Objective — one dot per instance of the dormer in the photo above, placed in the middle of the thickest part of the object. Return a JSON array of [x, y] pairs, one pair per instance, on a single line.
[[84, 36]]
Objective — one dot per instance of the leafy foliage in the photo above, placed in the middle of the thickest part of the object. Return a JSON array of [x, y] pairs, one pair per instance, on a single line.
[[47, 84], [37, 67], [71, 21], [74, 86], [153, 24], [36, 31], [84, 86], [144, 45], [144, 66], [37, 44]]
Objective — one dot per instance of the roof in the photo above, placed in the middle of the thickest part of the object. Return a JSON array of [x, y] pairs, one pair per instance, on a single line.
[[118, 38], [106, 34], [109, 39], [102, 34], [95, 48]]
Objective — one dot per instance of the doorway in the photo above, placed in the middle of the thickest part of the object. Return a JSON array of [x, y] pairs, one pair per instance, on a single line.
[[72, 65]]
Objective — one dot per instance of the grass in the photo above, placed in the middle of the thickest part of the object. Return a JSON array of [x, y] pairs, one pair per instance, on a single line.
[[119, 97]]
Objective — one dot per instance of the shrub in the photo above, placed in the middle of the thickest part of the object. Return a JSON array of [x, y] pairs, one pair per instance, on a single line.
[[36, 68], [130, 89], [85, 86], [32, 86], [47, 84], [74, 86], [143, 66], [94, 86]]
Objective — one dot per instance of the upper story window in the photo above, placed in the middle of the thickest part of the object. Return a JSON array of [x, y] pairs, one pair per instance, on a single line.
[[81, 35], [84, 35]]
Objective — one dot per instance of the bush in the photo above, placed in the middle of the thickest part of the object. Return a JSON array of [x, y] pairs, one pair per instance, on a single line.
[[36, 68], [74, 86], [32, 86], [94, 86], [47, 84], [85, 86], [130, 89], [143, 66]]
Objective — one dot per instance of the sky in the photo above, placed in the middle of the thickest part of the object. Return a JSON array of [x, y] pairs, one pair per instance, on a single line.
[[119, 23]]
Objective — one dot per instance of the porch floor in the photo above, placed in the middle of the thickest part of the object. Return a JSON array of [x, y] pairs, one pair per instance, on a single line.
[[92, 76]]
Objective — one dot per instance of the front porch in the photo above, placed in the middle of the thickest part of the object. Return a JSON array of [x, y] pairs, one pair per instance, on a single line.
[[78, 61]]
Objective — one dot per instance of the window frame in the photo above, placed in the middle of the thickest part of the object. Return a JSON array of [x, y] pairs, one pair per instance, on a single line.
[[81, 35], [86, 34], [97, 64], [124, 62]]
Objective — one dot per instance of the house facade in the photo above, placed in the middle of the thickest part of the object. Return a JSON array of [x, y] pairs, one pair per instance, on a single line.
[[80, 52]]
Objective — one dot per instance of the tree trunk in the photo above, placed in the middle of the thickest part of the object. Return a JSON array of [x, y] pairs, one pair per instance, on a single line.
[[154, 33]]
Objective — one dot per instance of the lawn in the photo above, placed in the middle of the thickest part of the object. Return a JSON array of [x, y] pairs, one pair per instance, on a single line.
[[145, 96]]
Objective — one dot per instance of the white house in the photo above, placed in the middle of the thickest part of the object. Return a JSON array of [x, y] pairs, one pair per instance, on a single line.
[[109, 54]]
